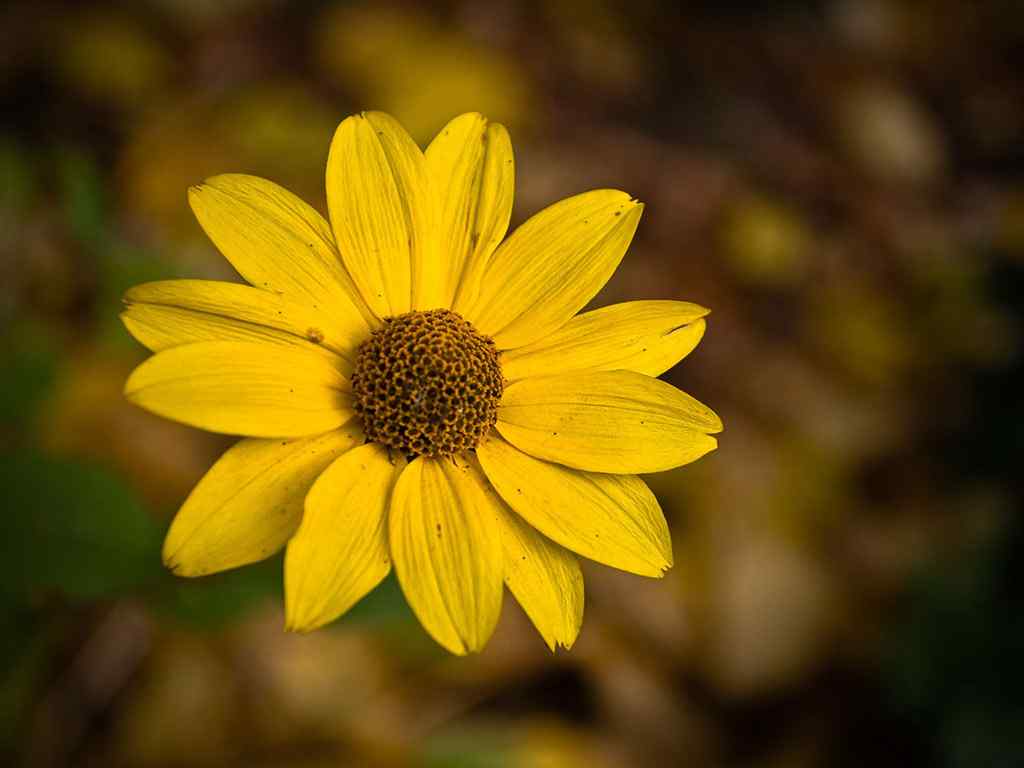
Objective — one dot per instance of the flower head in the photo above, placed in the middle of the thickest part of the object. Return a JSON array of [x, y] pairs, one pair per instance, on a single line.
[[416, 391]]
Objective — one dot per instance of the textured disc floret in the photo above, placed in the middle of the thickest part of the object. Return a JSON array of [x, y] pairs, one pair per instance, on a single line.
[[427, 384]]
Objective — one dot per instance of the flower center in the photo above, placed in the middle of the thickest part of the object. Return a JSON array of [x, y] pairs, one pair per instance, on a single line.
[[427, 383]]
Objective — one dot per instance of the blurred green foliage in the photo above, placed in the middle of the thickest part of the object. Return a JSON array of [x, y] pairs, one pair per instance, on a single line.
[[29, 362], [78, 529], [955, 669]]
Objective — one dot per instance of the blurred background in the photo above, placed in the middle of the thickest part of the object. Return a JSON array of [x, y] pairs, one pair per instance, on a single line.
[[840, 181]]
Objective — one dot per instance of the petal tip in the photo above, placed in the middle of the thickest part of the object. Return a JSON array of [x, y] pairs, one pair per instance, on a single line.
[[196, 198], [460, 649], [376, 117], [563, 641], [178, 567], [657, 570], [711, 446], [172, 558], [299, 623], [473, 641], [130, 390], [474, 116], [348, 122]]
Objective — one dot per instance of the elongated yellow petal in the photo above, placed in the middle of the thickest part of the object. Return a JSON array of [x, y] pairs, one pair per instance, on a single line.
[[613, 519], [643, 336], [340, 551], [552, 265], [383, 214], [446, 546], [470, 163], [546, 580], [279, 243], [249, 503], [239, 388], [607, 421], [170, 313], [544, 577]]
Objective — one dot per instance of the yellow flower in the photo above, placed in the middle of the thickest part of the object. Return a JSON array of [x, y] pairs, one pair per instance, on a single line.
[[415, 389]]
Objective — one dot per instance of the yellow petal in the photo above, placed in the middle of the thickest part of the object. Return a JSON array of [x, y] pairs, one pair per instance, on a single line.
[[552, 265], [643, 336], [171, 313], [546, 580], [279, 243], [249, 503], [238, 388], [544, 577], [340, 551], [446, 547], [607, 421], [470, 163], [613, 519], [383, 214]]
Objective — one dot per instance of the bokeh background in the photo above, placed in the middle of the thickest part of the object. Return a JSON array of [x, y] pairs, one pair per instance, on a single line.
[[839, 180]]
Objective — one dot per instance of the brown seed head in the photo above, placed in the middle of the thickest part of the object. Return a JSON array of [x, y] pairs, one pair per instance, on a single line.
[[427, 384]]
